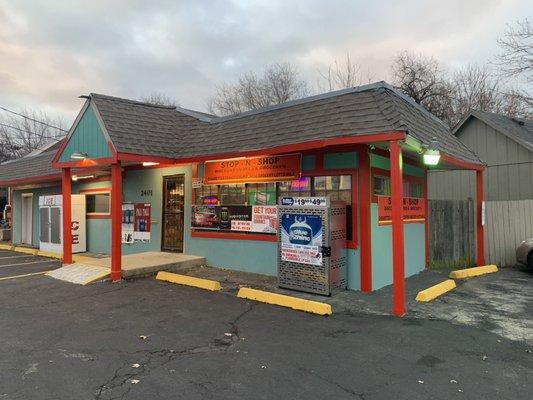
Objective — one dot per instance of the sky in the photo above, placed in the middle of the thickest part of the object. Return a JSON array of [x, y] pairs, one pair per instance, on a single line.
[[53, 51]]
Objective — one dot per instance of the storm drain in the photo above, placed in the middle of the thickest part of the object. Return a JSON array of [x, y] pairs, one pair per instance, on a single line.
[[80, 274]]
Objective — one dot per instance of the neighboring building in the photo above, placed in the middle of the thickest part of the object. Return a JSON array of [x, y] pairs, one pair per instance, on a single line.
[[345, 145], [506, 146]]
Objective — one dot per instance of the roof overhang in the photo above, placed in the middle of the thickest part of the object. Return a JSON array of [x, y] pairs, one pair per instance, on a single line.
[[31, 181]]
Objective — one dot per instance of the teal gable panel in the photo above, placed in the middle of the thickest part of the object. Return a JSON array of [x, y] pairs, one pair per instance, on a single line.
[[308, 162], [344, 160], [378, 161], [88, 137]]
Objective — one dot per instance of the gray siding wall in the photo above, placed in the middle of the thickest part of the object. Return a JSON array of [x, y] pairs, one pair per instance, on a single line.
[[511, 181]]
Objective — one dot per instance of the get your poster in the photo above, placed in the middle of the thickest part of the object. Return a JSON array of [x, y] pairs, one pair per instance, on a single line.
[[301, 238], [142, 222]]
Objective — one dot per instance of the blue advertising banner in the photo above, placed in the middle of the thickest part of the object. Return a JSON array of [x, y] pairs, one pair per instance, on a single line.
[[301, 238]]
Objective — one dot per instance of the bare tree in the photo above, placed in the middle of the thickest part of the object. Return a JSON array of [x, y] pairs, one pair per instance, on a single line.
[[425, 81], [28, 131], [159, 99], [277, 84], [477, 87], [342, 75], [516, 57]]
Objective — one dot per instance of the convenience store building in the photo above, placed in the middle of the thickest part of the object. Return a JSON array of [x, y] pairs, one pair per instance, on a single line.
[[158, 178]]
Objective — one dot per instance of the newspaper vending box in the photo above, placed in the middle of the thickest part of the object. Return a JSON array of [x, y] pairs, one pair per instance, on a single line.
[[312, 244]]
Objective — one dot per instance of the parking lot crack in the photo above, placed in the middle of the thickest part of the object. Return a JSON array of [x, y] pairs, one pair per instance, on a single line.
[[120, 384], [360, 395]]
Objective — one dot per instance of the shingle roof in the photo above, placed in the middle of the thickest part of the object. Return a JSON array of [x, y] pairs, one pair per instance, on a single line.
[[39, 165], [517, 129], [140, 128]]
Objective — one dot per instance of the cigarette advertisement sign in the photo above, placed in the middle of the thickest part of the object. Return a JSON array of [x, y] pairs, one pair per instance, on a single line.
[[259, 219], [136, 222], [127, 223], [253, 169], [414, 210], [205, 217], [301, 238], [142, 222]]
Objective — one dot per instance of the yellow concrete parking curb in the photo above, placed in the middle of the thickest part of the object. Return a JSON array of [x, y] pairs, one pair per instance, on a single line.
[[6, 246], [189, 281], [435, 291], [26, 250], [295, 303], [471, 272]]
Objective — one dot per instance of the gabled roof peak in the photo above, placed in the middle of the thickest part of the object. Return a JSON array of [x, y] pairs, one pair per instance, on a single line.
[[123, 100]]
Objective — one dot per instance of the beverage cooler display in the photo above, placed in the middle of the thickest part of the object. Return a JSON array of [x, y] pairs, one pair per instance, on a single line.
[[312, 244]]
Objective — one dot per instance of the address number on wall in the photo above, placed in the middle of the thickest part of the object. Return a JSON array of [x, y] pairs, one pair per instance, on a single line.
[[146, 192]]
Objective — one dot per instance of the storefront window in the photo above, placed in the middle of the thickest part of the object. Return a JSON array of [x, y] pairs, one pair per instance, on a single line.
[[261, 194], [97, 203], [381, 185], [295, 188], [411, 188], [207, 194], [232, 194]]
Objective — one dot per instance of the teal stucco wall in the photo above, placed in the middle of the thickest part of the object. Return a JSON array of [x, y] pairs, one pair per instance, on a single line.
[[414, 247], [17, 214], [88, 137], [414, 236]]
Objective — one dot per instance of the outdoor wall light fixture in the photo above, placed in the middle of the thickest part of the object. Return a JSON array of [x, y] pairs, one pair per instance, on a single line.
[[78, 156], [432, 153], [78, 177], [149, 163]]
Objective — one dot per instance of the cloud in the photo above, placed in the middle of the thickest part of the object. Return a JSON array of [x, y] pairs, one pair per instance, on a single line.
[[52, 52]]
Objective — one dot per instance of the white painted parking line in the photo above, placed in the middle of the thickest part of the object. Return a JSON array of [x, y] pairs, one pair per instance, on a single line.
[[25, 256], [23, 275], [28, 263]]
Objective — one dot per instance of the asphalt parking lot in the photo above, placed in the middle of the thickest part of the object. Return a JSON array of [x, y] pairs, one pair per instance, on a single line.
[[146, 339], [13, 264]]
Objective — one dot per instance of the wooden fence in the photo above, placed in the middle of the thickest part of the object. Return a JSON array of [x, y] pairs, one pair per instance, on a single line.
[[507, 223], [452, 237], [452, 233]]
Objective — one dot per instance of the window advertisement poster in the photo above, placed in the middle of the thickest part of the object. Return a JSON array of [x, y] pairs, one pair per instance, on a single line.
[[257, 219], [235, 218], [142, 222], [414, 210], [264, 219], [127, 222], [301, 238], [205, 217]]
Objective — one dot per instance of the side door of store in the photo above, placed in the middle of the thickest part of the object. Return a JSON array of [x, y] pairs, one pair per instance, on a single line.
[[173, 212], [27, 219]]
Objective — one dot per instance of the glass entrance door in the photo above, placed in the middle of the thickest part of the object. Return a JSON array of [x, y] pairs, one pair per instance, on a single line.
[[173, 208]]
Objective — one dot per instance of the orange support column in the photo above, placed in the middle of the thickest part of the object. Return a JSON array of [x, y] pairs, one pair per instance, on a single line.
[[116, 222], [480, 197], [398, 261], [365, 237], [66, 189]]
